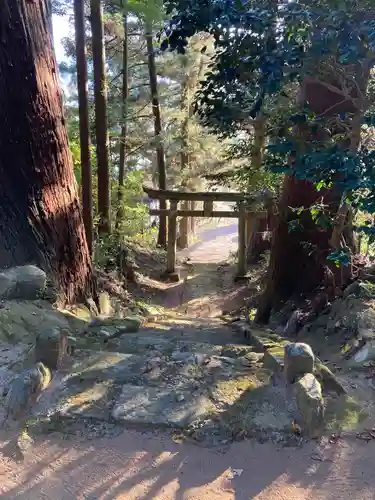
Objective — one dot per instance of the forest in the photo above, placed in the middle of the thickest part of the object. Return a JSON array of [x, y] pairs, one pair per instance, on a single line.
[[120, 310], [189, 95]]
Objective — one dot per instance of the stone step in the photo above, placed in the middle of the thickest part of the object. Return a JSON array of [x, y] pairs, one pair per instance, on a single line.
[[173, 388], [272, 345]]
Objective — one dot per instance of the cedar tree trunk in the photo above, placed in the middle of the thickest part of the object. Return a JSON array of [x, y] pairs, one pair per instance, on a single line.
[[124, 128], [293, 268], [84, 128], [101, 119], [160, 154], [40, 216]]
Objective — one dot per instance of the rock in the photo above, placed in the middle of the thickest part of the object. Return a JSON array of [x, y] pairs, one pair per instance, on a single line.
[[92, 307], [99, 366], [24, 390], [366, 323], [23, 282], [158, 406], [201, 359], [81, 312], [107, 333], [365, 353], [228, 361], [274, 359], [114, 327], [310, 404], [251, 359], [131, 324], [328, 380], [151, 364], [352, 289], [235, 351], [51, 348], [298, 360], [105, 305], [183, 357], [293, 324], [23, 320]]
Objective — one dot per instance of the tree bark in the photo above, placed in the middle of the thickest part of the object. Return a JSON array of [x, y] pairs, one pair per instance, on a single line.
[[261, 234], [186, 225], [293, 268], [84, 128], [101, 118], [124, 127], [40, 216], [160, 154], [183, 233], [260, 240]]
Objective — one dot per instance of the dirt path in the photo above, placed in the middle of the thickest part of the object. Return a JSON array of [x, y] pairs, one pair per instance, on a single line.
[[133, 465], [207, 288]]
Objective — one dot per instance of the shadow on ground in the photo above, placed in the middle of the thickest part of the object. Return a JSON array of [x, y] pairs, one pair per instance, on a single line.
[[144, 467]]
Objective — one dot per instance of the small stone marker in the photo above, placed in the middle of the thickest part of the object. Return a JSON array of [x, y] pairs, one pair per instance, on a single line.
[[298, 360], [310, 404], [51, 348]]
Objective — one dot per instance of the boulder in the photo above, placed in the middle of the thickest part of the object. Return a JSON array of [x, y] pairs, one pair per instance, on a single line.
[[24, 390], [22, 282], [22, 321], [328, 380], [363, 355], [298, 360], [310, 404]]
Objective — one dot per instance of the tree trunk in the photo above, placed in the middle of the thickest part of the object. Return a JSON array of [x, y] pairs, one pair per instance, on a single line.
[[40, 216], [261, 234], [308, 249], [49, 13], [260, 240], [259, 142], [101, 119], [183, 233], [188, 87], [84, 128], [124, 128], [160, 154], [293, 268]]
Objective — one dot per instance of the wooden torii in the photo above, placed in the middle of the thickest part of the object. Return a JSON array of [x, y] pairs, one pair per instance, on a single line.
[[245, 215]]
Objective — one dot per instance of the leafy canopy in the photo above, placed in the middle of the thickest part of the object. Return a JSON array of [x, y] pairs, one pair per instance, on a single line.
[[268, 49]]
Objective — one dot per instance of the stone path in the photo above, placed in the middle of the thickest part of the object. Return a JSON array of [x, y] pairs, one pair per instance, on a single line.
[[187, 371]]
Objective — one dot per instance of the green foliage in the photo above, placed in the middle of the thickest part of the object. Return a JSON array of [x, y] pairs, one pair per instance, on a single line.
[[135, 223], [261, 54], [339, 257]]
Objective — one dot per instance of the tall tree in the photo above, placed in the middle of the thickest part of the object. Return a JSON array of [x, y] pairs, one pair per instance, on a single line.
[[192, 73], [124, 126], [84, 128], [40, 216], [101, 118], [160, 154]]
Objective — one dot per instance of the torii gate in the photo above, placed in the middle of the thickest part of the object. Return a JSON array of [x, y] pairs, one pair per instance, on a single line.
[[245, 215]]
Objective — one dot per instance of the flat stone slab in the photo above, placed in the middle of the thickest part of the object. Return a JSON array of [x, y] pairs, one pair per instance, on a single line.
[[159, 406], [87, 399], [101, 365]]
